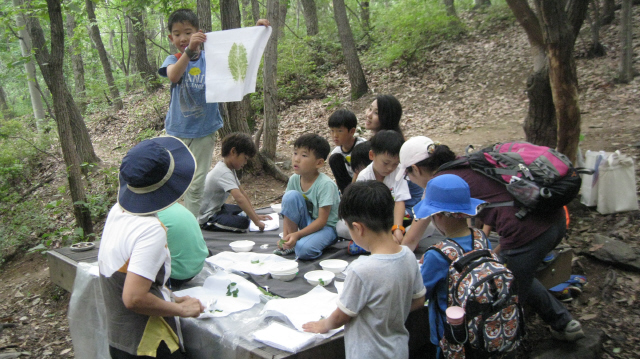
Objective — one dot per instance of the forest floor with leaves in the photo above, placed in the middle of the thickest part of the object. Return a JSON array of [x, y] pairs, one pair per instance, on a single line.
[[467, 92]]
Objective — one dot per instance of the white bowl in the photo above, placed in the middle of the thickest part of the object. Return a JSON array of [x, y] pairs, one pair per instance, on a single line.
[[283, 267], [314, 277], [276, 207], [285, 276], [242, 246], [334, 265]]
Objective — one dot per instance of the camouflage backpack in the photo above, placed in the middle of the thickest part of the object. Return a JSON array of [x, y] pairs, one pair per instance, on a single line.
[[485, 289]]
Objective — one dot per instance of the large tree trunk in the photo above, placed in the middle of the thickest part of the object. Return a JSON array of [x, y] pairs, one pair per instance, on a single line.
[[147, 72], [311, 16], [354, 69], [51, 68], [4, 107], [29, 67], [76, 62], [540, 124], [608, 12], [204, 14], [626, 72], [559, 40], [237, 111], [270, 82], [104, 59], [450, 7]]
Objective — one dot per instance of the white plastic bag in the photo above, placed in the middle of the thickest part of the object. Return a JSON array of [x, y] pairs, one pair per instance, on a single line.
[[617, 184], [589, 188]]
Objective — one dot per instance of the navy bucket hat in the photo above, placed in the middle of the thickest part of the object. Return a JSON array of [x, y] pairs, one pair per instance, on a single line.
[[447, 194], [154, 175]]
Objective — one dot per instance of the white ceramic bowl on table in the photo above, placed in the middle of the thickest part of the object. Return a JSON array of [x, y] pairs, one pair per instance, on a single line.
[[284, 271], [285, 275], [242, 246], [334, 265], [315, 276]]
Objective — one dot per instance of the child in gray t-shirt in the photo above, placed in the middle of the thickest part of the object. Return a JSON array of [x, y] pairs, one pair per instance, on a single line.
[[380, 290]]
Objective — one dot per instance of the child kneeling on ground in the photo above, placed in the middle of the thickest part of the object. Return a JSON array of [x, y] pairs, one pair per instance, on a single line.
[[310, 203], [215, 214], [381, 289]]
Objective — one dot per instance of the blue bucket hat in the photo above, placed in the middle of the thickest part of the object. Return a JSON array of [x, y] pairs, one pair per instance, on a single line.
[[447, 194], [154, 175]]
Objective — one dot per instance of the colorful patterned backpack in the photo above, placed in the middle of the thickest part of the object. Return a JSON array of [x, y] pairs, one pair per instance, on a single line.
[[485, 289]]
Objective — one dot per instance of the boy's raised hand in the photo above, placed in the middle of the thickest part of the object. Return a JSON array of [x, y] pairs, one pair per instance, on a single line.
[[263, 22], [196, 40]]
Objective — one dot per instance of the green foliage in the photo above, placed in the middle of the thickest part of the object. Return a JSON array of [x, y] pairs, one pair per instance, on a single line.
[[407, 29]]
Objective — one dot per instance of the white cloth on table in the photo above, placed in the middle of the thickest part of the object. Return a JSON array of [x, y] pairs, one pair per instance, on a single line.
[[248, 262], [284, 338], [269, 224]]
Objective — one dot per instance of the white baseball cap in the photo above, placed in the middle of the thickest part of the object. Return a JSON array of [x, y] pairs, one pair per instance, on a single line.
[[413, 151]]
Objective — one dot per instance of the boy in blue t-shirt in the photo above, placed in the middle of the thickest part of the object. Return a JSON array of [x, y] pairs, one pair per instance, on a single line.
[[190, 117], [310, 203]]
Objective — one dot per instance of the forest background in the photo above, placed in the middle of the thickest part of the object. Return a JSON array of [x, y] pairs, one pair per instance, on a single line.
[[466, 72]]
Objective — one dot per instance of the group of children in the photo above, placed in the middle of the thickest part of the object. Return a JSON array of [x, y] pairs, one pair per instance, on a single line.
[[377, 184]]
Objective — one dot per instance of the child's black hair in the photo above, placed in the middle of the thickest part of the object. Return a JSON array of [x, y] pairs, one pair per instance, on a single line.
[[368, 202], [387, 141], [242, 142], [389, 113], [343, 118], [360, 156], [441, 155], [314, 143], [183, 15]]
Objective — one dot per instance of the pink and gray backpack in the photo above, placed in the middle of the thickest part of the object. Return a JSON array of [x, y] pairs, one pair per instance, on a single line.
[[485, 289], [538, 177]]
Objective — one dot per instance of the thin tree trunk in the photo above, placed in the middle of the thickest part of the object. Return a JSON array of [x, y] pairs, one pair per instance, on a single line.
[[76, 62], [450, 7], [559, 39], [104, 59], [51, 68], [203, 9], [596, 49], [246, 8], [354, 69], [131, 52], [147, 72], [237, 112], [282, 17], [626, 72], [608, 12], [310, 14], [270, 82], [255, 10], [4, 107], [30, 68]]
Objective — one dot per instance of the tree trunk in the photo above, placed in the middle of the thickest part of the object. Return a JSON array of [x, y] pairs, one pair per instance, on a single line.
[[354, 69], [147, 72], [596, 49], [30, 68], [450, 7], [97, 40], [626, 72], [282, 17], [204, 14], [76, 62], [51, 68], [246, 5], [559, 40], [237, 112], [270, 72], [310, 14], [4, 107], [608, 12], [482, 3], [540, 124], [255, 10]]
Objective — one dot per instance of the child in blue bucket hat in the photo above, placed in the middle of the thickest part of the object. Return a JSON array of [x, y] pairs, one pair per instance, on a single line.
[[448, 202]]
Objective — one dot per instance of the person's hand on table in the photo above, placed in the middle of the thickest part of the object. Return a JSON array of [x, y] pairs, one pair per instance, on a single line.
[[265, 217], [191, 307], [260, 225], [290, 240], [316, 327]]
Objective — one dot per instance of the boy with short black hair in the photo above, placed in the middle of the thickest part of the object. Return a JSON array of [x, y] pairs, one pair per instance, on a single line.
[[310, 203], [215, 214], [190, 117], [342, 125], [379, 290]]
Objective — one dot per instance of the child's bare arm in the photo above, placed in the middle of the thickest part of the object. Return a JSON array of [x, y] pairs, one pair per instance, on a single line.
[[175, 71], [417, 303], [245, 205], [398, 215], [316, 225], [415, 232], [337, 319]]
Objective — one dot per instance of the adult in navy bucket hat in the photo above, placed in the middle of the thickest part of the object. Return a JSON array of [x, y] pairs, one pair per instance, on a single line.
[[155, 174], [447, 194]]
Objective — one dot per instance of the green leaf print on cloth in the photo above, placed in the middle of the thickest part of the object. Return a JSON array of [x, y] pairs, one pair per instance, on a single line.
[[238, 62]]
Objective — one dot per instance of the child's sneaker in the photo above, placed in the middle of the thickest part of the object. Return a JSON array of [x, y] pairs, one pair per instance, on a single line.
[[572, 332], [354, 249], [283, 251]]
